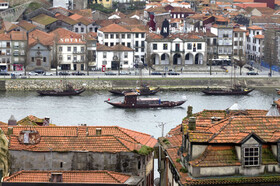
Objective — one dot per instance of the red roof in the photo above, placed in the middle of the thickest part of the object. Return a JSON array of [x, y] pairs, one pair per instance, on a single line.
[[77, 176], [114, 28], [81, 138]]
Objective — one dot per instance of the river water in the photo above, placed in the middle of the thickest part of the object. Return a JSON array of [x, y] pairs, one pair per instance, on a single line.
[[89, 108]]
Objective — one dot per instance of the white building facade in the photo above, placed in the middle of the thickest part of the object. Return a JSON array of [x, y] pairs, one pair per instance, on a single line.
[[254, 43], [71, 54], [178, 51], [134, 38]]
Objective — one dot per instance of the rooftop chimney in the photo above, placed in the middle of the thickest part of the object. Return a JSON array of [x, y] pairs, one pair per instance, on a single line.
[[192, 123], [189, 112], [12, 121], [98, 131], [46, 121], [56, 177]]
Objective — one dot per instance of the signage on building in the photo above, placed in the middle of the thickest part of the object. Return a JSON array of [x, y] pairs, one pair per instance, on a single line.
[[165, 28]]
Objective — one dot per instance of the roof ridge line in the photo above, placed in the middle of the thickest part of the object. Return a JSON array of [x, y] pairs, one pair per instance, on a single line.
[[216, 134], [117, 138]]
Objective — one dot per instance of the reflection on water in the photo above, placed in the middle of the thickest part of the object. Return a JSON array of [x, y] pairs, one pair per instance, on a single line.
[[90, 108]]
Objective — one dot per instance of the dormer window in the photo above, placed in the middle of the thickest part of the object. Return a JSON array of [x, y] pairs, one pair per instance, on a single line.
[[251, 151], [251, 156]]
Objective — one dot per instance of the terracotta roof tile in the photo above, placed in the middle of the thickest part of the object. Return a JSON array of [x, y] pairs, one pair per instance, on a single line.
[[255, 28], [39, 36], [74, 138], [114, 28], [18, 36], [77, 176], [259, 36], [217, 156], [66, 19], [26, 25]]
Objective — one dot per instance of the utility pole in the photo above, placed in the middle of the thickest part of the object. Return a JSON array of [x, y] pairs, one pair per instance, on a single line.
[[161, 124]]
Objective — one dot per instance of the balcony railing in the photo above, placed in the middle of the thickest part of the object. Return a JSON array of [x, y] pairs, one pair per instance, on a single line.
[[78, 52]]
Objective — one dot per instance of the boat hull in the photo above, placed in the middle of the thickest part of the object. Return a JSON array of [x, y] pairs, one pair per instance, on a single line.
[[62, 93], [141, 93], [227, 92], [164, 104]]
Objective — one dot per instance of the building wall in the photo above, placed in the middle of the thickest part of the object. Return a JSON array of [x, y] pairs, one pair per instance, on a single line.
[[71, 57], [109, 58], [44, 52], [126, 162], [197, 150]]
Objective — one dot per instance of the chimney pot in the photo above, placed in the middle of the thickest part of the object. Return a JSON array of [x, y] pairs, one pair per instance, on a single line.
[[192, 123], [98, 131], [12, 121], [189, 112]]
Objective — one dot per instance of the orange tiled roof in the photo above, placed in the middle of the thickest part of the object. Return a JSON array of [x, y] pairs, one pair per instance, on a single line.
[[81, 138], [5, 37], [74, 176], [66, 19], [217, 156], [18, 35], [26, 25], [255, 28], [114, 28], [39, 36], [75, 16], [259, 36]]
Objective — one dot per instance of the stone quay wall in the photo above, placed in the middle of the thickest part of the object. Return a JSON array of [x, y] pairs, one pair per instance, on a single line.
[[105, 84]]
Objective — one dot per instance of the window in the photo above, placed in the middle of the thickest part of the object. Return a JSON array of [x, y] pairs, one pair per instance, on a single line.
[[162, 57], [60, 58], [214, 41], [128, 36], [32, 59], [106, 43], [60, 49], [251, 156], [111, 44], [142, 43], [136, 43], [82, 49], [136, 49], [69, 49], [117, 36], [44, 59], [199, 46], [137, 35], [123, 36], [125, 55], [128, 45], [142, 49], [143, 35], [74, 58], [154, 46], [125, 62], [68, 58], [189, 46], [235, 43], [165, 46], [235, 34], [104, 55], [111, 36], [76, 30], [82, 58], [241, 34], [82, 29], [106, 36], [240, 43], [75, 49]]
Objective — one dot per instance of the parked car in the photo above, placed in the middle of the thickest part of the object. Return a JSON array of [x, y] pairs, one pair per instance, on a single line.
[[156, 73], [64, 73], [17, 73], [32, 73], [173, 73], [252, 73], [110, 73], [78, 73], [39, 71], [4, 74], [49, 74], [125, 73]]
